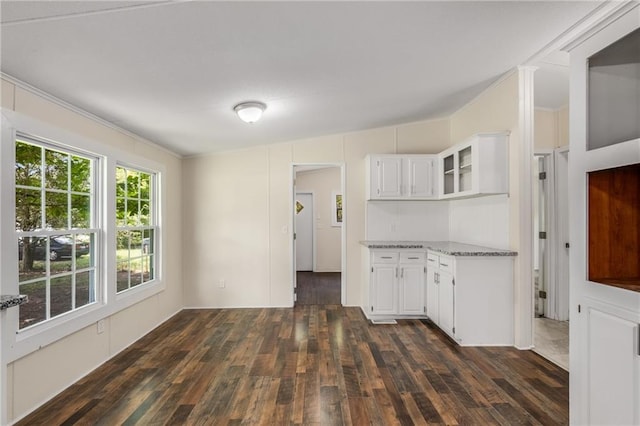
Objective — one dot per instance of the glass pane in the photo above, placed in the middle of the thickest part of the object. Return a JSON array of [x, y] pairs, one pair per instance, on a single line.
[[122, 279], [84, 251], [132, 212], [147, 268], [85, 288], [147, 241], [61, 295], [122, 245], [145, 186], [121, 179], [28, 209], [136, 278], [144, 212], [56, 170], [80, 174], [30, 249], [133, 187], [60, 253], [28, 165], [57, 210], [80, 211], [35, 310], [121, 212], [136, 244]]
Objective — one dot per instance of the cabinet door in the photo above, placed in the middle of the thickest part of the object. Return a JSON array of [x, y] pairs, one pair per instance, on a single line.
[[613, 366], [412, 289], [389, 177], [446, 302], [432, 295], [421, 177], [384, 289]]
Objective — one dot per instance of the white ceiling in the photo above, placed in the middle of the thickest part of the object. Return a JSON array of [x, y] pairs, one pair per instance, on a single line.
[[172, 71]]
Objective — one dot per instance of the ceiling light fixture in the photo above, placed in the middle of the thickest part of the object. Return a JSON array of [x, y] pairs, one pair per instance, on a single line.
[[250, 112]]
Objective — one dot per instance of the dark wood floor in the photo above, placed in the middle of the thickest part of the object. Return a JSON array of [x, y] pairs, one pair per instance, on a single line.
[[318, 288], [309, 365]]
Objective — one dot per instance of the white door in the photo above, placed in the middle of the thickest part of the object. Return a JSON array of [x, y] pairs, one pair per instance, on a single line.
[[304, 231], [421, 177], [383, 289], [446, 305], [389, 176], [562, 232], [412, 290], [432, 295], [613, 362]]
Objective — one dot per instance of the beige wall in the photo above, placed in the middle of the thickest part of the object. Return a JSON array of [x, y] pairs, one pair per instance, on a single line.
[[551, 129], [328, 238], [40, 375], [252, 250]]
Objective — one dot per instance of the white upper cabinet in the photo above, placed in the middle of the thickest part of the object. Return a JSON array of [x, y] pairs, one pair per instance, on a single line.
[[398, 177], [475, 167]]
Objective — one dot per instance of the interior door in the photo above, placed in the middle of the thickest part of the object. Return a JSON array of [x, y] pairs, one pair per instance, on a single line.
[[562, 231], [304, 231]]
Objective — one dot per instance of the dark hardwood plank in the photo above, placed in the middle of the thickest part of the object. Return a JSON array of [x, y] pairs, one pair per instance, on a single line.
[[313, 364]]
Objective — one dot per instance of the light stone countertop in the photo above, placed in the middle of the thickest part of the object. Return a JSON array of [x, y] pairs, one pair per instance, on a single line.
[[450, 248]]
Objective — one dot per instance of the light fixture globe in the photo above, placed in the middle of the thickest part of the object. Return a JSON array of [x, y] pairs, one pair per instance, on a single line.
[[250, 112]]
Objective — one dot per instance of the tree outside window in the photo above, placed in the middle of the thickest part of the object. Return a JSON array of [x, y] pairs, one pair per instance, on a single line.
[[136, 230], [54, 214]]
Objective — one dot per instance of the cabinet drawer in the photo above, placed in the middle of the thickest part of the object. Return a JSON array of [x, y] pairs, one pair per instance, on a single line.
[[446, 263], [412, 257], [385, 257], [433, 260]]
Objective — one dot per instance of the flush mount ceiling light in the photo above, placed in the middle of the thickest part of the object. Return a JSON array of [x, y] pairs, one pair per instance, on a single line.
[[250, 112]]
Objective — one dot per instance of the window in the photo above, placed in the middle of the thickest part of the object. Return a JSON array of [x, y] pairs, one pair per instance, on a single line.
[[55, 222], [135, 227]]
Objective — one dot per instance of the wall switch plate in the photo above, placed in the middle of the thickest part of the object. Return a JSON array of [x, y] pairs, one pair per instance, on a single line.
[[222, 284], [100, 326]]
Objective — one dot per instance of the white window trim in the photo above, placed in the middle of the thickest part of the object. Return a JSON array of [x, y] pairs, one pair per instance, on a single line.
[[16, 345], [155, 222]]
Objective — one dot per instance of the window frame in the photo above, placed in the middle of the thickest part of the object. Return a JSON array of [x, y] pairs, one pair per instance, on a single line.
[[153, 222], [17, 344], [43, 232]]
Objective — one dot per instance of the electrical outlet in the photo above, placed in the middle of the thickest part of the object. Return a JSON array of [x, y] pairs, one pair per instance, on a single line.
[[100, 326], [222, 284]]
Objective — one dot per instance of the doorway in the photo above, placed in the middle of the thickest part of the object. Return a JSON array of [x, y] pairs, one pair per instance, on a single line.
[[551, 256], [318, 234]]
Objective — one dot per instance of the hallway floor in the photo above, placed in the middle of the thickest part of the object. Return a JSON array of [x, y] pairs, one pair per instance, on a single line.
[[552, 340]]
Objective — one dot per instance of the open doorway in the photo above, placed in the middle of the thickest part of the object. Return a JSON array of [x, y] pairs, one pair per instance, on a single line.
[[318, 242], [551, 256]]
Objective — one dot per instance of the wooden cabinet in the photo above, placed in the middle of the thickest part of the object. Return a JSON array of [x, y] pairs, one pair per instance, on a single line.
[[478, 166], [471, 298], [397, 283], [401, 177]]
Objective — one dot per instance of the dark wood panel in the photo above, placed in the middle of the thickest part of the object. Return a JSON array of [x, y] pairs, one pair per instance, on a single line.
[[316, 364], [614, 227]]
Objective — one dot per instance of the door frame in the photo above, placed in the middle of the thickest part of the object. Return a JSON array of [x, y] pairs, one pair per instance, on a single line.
[[555, 304], [343, 239], [313, 230]]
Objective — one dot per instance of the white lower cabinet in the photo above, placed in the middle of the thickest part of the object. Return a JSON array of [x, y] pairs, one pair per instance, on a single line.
[[397, 283], [613, 365], [471, 298]]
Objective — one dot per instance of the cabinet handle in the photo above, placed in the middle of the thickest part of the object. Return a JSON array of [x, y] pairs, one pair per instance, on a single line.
[[443, 264], [415, 258], [396, 272], [386, 257], [402, 273]]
